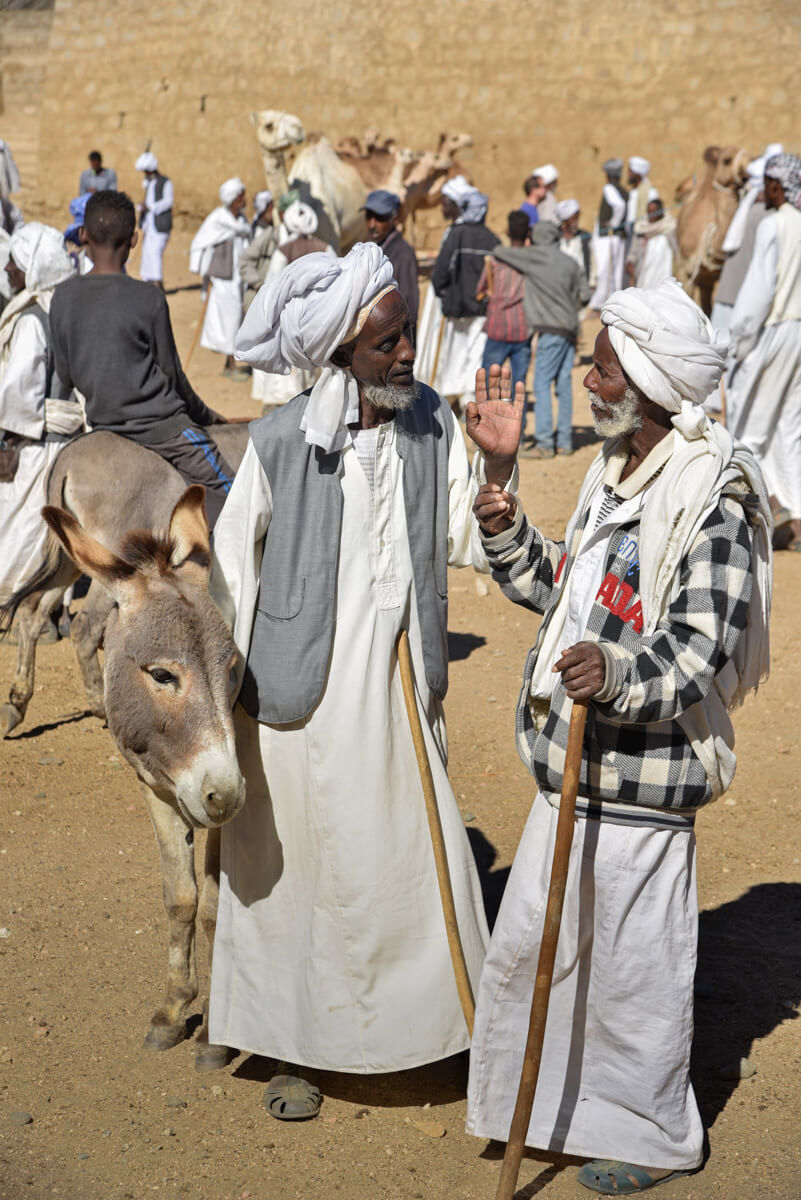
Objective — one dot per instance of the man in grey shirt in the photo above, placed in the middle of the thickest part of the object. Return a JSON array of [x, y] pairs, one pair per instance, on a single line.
[[96, 177]]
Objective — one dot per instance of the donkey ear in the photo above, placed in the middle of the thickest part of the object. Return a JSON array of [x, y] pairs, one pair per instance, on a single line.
[[189, 529], [116, 576]]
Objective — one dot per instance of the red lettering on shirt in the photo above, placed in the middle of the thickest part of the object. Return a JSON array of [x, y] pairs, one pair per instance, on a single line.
[[633, 616], [616, 596], [559, 569]]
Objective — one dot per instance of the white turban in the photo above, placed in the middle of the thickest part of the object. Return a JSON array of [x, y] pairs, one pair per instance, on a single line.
[[300, 317], [231, 189], [667, 347], [38, 250], [772, 150], [457, 189], [639, 166], [547, 173], [262, 201], [566, 209], [147, 162], [300, 220], [475, 205]]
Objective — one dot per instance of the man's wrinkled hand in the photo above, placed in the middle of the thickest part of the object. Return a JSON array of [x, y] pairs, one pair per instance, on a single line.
[[494, 509], [494, 420], [583, 669]]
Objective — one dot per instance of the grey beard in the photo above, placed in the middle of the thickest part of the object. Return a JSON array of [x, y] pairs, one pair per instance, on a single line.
[[390, 397], [625, 418]]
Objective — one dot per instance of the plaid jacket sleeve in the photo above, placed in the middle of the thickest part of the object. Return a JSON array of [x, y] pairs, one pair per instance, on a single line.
[[675, 667], [526, 564]]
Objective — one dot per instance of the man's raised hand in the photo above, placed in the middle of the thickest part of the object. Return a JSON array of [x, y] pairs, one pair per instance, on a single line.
[[495, 418]]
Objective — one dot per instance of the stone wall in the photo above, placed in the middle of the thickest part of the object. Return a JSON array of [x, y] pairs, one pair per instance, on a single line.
[[531, 81]]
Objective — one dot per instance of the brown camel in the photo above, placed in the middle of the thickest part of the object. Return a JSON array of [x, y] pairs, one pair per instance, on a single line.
[[705, 216]]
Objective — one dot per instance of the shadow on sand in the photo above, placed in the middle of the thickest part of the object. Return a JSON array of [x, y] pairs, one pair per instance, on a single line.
[[462, 645]]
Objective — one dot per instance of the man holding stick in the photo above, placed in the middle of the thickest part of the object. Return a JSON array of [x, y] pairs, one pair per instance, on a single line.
[[656, 609]]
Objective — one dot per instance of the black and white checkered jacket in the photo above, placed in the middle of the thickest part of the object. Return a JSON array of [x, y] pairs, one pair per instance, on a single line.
[[635, 752]]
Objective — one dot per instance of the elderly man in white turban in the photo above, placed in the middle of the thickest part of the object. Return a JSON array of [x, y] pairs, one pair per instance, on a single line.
[[549, 178], [214, 254], [349, 506], [765, 383], [155, 218], [37, 415], [656, 609]]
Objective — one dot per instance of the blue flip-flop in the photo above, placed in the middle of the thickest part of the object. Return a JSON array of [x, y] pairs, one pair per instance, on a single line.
[[611, 1177]]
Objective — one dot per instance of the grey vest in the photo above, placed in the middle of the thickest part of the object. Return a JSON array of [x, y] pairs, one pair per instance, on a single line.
[[293, 629]]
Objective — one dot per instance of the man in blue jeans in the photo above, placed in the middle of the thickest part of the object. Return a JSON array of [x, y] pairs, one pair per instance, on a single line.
[[506, 327], [555, 289]]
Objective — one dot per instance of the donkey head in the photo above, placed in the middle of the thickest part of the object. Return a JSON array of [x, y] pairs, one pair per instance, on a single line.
[[168, 660]]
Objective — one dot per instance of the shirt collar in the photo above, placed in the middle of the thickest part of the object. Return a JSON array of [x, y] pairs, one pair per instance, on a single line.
[[651, 465]]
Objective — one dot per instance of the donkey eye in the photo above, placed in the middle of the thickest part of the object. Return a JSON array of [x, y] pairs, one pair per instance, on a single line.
[[160, 675]]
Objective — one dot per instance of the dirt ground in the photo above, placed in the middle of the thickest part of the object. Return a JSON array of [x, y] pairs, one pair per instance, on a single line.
[[83, 945]]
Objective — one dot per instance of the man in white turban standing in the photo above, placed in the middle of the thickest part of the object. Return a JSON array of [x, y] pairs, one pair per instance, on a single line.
[[765, 384], [641, 190], [350, 503], [656, 609], [155, 218], [548, 176], [214, 254], [609, 235]]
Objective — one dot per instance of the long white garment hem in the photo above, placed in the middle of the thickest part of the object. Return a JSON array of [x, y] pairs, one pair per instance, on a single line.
[[610, 255], [23, 532], [457, 354], [223, 315], [273, 390], [614, 1080], [153, 246]]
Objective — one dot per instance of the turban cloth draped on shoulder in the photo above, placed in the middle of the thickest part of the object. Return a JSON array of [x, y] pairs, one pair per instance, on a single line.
[[301, 316]]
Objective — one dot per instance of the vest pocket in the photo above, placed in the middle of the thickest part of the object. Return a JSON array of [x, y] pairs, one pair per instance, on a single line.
[[283, 601]]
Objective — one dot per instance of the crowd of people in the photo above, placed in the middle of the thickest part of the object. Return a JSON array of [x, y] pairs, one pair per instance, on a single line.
[[354, 497]]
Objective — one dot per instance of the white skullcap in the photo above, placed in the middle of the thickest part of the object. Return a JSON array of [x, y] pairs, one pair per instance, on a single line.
[[300, 317], [665, 344], [639, 166], [457, 189], [565, 209], [147, 162], [547, 173], [262, 201], [300, 220], [231, 189], [38, 250]]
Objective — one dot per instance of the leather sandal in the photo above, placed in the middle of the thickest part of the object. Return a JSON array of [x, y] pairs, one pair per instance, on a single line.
[[611, 1177], [290, 1098]]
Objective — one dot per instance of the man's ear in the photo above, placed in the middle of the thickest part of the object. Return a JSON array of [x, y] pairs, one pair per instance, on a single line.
[[343, 356]]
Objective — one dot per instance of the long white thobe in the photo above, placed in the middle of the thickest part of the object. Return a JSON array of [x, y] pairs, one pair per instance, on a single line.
[[224, 307], [609, 252], [153, 242], [764, 388], [449, 350], [331, 949], [657, 261]]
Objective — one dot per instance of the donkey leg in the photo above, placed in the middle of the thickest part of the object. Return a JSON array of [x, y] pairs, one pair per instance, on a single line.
[[88, 627], [209, 1057], [177, 849], [32, 615]]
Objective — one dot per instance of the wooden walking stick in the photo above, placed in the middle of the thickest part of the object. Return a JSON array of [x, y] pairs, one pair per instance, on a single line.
[[722, 402], [550, 937], [433, 380], [463, 985], [199, 329]]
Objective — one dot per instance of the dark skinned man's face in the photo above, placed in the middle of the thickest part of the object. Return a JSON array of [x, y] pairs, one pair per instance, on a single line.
[[16, 276], [450, 210], [378, 228], [605, 379], [383, 353], [238, 205], [774, 193]]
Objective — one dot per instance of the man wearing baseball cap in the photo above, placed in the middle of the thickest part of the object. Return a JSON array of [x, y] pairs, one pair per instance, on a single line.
[[381, 210]]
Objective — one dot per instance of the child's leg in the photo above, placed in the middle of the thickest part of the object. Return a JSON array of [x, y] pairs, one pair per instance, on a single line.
[[195, 456]]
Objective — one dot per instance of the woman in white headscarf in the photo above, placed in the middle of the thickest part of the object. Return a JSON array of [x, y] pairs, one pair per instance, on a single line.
[[296, 239], [36, 415], [215, 254]]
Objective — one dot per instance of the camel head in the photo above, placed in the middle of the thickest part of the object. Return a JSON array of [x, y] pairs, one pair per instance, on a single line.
[[276, 130], [169, 660], [349, 146], [731, 168], [450, 144]]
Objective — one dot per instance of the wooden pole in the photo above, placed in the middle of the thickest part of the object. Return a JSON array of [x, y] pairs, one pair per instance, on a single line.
[[722, 402], [550, 937], [433, 380], [463, 985], [199, 329]]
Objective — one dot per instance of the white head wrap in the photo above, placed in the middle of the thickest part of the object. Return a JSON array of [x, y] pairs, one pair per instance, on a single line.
[[230, 190], [639, 166], [667, 347], [147, 162], [262, 201], [38, 250], [566, 209], [457, 189], [547, 173], [300, 220], [298, 319], [474, 205], [772, 150]]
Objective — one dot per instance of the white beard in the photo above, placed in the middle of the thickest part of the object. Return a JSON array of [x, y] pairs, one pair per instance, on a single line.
[[624, 418], [389, 397]]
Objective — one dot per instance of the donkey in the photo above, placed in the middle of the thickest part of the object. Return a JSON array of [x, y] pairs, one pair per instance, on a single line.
[[123, 517]]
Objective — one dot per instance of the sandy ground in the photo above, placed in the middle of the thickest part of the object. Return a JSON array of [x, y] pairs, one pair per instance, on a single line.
[[82, 954]]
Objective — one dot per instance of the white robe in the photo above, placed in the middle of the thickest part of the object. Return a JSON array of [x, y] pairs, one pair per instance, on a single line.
[[224, 309], [330, 949], [657, 261], [449, 350], [609, 253], [764, 387], [153, 242]]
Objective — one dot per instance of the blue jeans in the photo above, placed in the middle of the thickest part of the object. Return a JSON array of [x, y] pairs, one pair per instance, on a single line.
[[553, 364], [519, 355]]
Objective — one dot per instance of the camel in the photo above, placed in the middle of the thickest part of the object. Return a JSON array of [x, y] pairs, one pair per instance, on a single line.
[[704, 217], [166, 685]]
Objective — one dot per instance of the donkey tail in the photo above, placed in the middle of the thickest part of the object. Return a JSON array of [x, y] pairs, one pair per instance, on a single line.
[[49, 570]]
